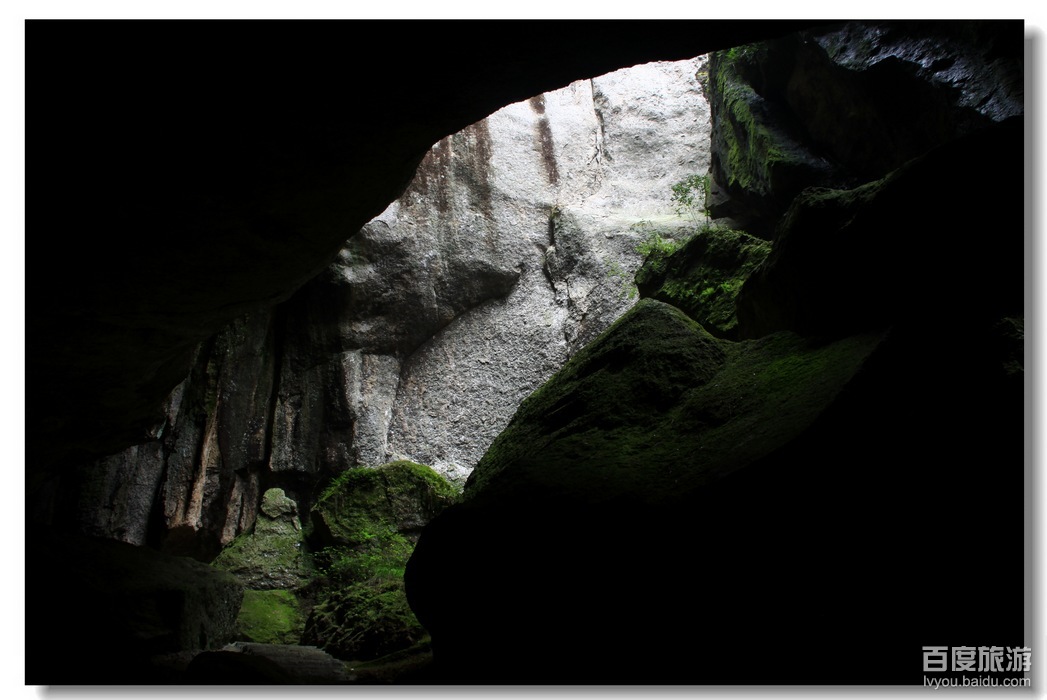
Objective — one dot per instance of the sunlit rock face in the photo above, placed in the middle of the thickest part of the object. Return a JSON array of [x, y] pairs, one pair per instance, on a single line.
[[555, 188], [513, 247]]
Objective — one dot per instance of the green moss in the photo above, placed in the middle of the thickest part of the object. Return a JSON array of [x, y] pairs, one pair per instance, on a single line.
[[270, 617], [704, 276], [362, 502], [759, 156], [365, 524], [382, 557], [276, 553], [662, 407], [271, 555]]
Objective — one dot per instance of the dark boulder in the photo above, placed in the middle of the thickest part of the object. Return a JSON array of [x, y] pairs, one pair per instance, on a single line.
[[940, 236], [842, 497], [113, 606], [841, 105]]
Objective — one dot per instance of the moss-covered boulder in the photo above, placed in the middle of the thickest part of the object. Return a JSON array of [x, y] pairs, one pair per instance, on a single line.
[[703, 276], [669, 497], [400, 496], [365, 525], [270, 617], [271, 556], [657, 406]]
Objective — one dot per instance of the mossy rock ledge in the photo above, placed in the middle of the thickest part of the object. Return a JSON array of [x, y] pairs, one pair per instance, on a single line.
[[669, 497], [703, 277]]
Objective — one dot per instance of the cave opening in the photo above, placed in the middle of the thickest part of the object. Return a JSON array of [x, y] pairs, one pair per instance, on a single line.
[[686, 320]]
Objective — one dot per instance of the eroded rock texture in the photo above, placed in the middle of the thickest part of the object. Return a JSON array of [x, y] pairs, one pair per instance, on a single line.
[[562, 182]]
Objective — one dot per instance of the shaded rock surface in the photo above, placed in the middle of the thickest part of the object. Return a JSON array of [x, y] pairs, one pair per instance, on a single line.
[[845, 104], [266, 664], [198, 483], [122, 604], [909, 245]]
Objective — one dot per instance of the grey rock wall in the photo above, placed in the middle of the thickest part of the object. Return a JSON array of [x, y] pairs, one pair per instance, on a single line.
[[556, 185], [514, 246]]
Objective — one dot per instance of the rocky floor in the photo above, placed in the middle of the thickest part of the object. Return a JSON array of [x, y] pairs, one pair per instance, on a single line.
[[248, 663]]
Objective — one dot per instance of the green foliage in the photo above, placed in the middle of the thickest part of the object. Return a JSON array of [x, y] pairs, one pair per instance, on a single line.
[[364, 621], [657, 242], [691, 197], [382, 557]]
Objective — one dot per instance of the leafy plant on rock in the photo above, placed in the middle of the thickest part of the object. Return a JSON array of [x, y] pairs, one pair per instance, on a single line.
[[691, 197]]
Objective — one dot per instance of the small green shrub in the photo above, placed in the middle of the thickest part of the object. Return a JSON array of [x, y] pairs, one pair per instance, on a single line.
[[691, 197], [655, 241]]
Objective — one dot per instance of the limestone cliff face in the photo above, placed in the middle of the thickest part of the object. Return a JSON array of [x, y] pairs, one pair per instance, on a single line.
[[553, 187], [512, 248]]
